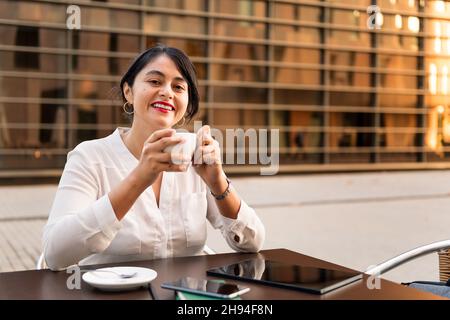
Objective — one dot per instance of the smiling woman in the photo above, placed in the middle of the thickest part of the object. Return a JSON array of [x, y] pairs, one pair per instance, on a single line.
[[105, 211]]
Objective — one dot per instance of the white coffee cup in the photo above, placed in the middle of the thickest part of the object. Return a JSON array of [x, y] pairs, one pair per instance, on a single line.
[[186, 148]]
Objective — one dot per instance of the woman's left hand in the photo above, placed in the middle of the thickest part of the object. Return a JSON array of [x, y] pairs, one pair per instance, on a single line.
[[207, 158]]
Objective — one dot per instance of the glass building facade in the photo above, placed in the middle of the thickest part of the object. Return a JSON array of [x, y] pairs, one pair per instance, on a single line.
[[343, 95]]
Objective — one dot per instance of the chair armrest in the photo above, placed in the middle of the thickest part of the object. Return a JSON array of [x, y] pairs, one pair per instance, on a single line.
[[407, 256], [40, 264], [208, 250]]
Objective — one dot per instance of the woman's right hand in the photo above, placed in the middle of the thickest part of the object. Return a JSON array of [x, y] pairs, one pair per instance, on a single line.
[[153, 158]]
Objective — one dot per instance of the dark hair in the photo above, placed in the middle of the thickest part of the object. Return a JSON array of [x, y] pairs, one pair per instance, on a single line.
[[184, 65]]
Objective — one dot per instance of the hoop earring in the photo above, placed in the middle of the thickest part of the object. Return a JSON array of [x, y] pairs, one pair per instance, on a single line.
[[125, 108], [180, 125]]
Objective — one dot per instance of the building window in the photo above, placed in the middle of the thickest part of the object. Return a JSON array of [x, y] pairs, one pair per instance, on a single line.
[[113, 63], [27, 37], [75, 45]]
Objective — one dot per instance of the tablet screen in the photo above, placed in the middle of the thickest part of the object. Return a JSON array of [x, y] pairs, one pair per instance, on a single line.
[[305, 278]]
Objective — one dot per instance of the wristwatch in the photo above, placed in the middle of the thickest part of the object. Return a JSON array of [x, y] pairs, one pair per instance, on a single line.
[[224, 194]]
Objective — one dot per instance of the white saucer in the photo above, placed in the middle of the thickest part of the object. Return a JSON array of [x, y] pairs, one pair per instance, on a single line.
[[109, 281]]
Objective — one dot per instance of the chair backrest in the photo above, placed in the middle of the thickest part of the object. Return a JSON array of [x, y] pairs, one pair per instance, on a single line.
[[444, 265]]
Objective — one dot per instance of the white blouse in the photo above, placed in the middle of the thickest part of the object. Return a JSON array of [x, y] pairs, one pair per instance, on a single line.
[[83, 228]]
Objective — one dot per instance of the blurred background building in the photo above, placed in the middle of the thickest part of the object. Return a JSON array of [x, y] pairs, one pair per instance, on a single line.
[[343, 96]]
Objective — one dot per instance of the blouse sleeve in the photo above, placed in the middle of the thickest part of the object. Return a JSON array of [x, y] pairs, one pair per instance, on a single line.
[[246, 233], [80, 223]]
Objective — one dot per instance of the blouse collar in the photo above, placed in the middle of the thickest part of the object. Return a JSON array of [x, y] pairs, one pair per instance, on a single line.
[[121, 148]]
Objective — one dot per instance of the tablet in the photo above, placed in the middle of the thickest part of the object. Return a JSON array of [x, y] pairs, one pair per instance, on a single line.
[[305, 278]]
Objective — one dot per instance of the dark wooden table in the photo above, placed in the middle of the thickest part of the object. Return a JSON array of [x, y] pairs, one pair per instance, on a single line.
[[46, 284]]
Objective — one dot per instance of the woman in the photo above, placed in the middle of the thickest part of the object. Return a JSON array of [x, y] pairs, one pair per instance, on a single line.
[[120, 198]]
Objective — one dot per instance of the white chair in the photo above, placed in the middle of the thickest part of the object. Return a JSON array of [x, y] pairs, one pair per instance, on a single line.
[[408, 256], [208, 250], [40, 264], [441, 288]]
